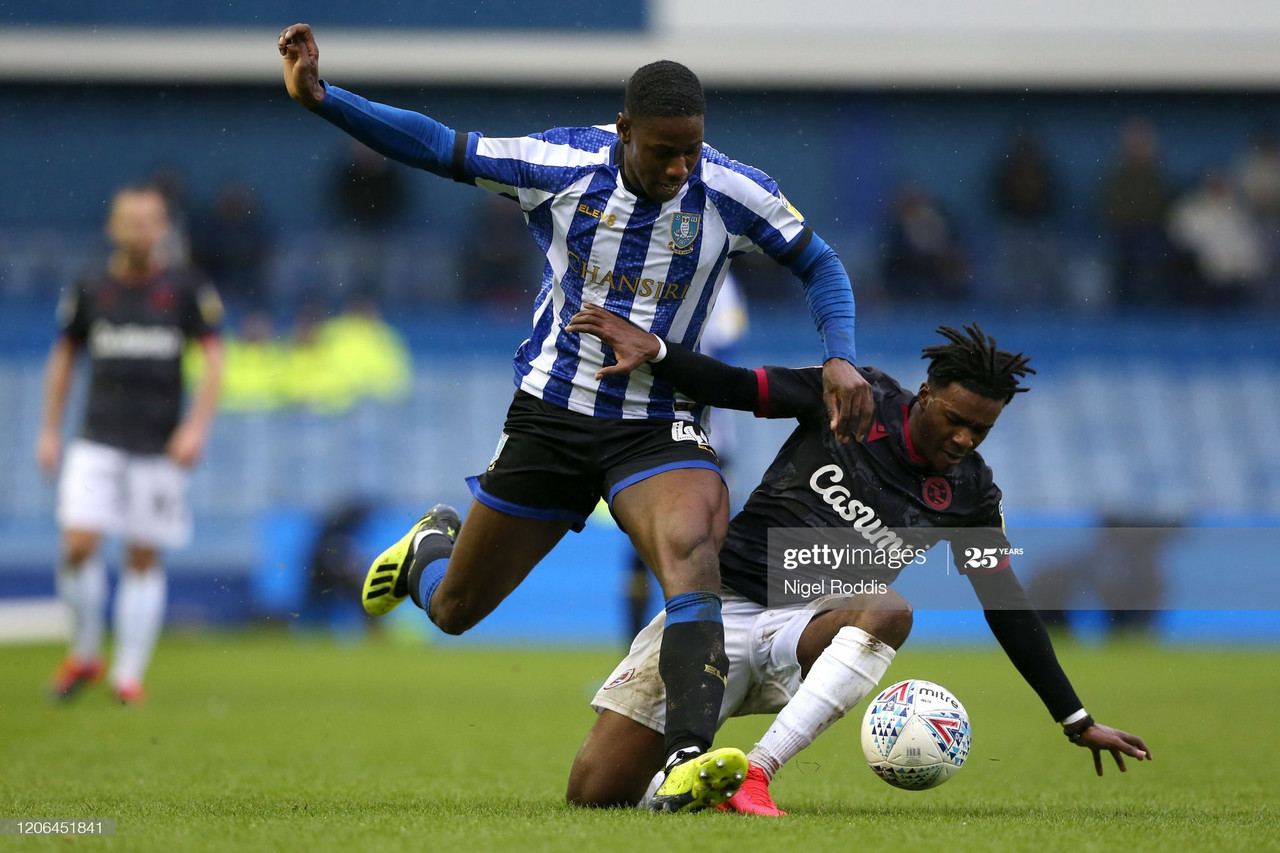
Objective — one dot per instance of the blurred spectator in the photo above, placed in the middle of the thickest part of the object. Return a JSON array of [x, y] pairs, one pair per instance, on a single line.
[[172, 184], [370, 356], [255, 366], [370, 189], [498, 257], [312, 377], [232, 242], [371, 197], [332, 364], [1211, 225], [1025, 193], [923, 259], [1123, 571], [1135, 202], [1258, 175], [337, 565]]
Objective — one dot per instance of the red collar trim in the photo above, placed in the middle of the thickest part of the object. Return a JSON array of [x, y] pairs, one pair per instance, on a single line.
[[906, 436], [762, 393]]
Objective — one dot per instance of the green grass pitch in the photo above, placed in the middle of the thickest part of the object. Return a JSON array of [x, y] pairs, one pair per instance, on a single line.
[[273, 741]]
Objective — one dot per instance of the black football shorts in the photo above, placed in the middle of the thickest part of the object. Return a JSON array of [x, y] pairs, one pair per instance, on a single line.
[[555, 464]]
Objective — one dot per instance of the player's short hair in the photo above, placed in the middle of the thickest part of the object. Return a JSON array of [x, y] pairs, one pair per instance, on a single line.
[[973, 361], [141, 188], [664, 89]]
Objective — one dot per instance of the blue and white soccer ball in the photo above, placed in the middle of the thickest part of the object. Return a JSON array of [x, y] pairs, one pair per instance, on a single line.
[[916, 735]]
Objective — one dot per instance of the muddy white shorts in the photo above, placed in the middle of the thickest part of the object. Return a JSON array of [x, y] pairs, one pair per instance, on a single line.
[[140, 498], [764, 672]]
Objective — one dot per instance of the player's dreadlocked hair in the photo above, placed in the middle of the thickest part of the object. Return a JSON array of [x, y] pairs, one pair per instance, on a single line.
[[973, 362], [664, 89]]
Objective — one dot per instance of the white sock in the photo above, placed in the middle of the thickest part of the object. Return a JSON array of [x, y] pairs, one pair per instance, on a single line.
[[423, 534], [845, 672], [139, 613], [83, 589], [654, 784]]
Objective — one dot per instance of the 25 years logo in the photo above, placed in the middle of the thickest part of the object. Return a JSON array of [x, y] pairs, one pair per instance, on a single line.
[[987, 558]]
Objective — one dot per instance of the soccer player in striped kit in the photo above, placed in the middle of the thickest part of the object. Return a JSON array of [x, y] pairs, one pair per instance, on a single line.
[[642, 217]]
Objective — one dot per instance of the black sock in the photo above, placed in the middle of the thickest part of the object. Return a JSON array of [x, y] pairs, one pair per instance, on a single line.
[[693, 666], [434, 546]]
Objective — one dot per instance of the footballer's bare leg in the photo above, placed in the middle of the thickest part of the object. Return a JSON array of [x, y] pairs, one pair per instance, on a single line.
[[493, 554], [79, 545], [677, 521], [616, 762]]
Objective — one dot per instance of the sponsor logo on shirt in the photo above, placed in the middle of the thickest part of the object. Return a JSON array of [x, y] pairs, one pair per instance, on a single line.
[[825, 482], [646, 287], [131, 340], [607, 219]]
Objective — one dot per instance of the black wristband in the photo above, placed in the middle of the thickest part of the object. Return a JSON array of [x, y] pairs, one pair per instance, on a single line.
[[1078, 728]]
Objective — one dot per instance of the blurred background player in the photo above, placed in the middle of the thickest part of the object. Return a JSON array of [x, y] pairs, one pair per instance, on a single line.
[[920, 476], [126, 472], [642, 213]]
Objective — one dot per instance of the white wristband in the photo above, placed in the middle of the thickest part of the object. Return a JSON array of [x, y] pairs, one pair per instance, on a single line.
[[662, 351], [1076, 717]]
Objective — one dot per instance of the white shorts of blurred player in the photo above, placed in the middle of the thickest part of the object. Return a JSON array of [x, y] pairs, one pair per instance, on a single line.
[[140, 498], [764, 672]]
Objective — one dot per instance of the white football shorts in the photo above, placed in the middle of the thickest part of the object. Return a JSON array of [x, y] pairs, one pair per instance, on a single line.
[[764, 672], [140, 498]]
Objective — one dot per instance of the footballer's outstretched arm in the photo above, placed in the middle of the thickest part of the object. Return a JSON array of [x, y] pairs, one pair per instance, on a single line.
[[409, 137], [1021, 633], [297, 45], [846, 392]]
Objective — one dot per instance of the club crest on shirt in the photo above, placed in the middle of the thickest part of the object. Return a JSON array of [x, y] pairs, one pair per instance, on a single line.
[[684, 231], [937, 493], [621, 679]]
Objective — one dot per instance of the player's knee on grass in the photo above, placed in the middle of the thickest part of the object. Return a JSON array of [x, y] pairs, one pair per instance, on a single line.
[[599, 783], [615, 764], [599, 792]]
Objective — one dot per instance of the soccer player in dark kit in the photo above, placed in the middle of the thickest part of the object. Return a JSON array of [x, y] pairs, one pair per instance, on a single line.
[[914, 481], [643, 216], [126, 473]]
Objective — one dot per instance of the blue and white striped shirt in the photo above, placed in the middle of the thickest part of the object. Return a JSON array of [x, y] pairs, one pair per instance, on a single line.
[[659, 265]]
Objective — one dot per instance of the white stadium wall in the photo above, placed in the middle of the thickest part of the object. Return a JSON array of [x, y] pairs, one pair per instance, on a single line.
[[733, 43]]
